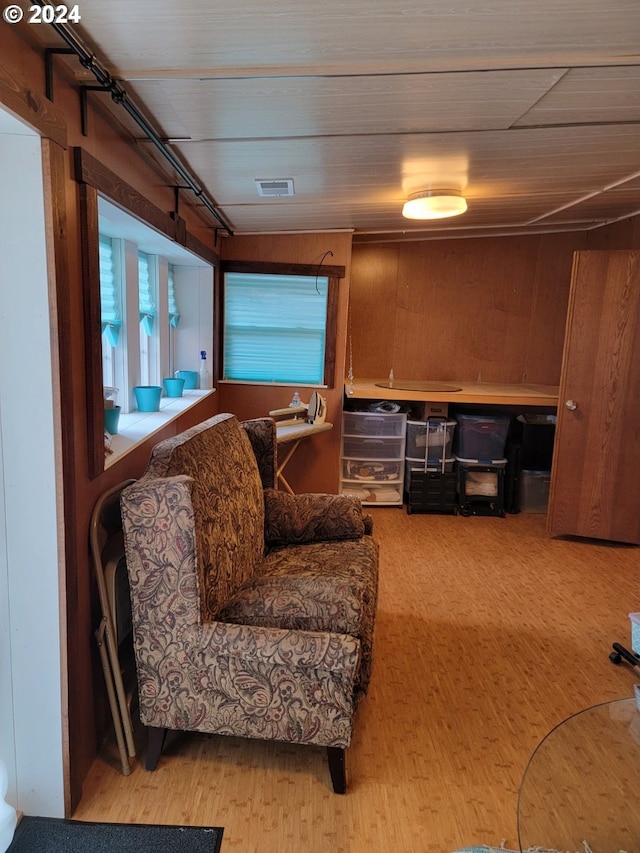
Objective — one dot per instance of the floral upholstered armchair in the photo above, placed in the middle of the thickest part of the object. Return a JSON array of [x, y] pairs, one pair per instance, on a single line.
[[253, 609]]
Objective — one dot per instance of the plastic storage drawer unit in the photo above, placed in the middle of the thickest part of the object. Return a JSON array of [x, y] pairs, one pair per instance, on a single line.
[[370, 471], [437, 435], [481, 437], [374, 493], [371, 424], [372, 448], [372, 463], [534, 491]]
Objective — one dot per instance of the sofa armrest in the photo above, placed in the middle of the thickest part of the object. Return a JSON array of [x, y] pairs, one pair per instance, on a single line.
[[299, 519], [302, 650], [296, 686]]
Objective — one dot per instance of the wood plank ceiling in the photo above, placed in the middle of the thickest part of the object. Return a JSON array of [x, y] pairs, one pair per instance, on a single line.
[[532, 109]]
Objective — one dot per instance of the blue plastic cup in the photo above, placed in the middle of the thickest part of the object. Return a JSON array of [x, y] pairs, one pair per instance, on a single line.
[[148, 397], [173, 386], [111, 418], [190, 378]]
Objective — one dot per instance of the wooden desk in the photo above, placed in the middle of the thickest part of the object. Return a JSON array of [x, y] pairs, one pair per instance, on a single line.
[[470, 392], [293, 434]]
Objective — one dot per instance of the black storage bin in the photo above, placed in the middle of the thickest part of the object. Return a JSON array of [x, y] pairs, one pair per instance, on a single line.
[[512, 475], [535, 435]]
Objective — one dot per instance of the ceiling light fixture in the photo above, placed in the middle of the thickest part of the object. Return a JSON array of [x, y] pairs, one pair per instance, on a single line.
[[434, 204]]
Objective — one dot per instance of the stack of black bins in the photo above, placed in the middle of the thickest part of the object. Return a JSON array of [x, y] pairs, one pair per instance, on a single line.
[[530, 452], [479, 452], [429, 476]]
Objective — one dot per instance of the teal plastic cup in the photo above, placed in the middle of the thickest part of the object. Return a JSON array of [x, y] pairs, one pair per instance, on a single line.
[[190, 378], [173, 386], [111, 418], [148, 397]]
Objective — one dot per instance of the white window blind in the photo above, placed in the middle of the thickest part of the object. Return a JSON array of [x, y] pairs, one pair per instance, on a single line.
[[174, 311], [146, 300], [109, 303], [275, 328]]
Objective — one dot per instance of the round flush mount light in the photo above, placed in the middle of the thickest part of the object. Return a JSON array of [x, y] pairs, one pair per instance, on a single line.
[[434, 204]]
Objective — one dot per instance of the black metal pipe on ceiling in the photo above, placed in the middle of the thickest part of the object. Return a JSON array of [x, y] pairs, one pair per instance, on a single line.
[[118, 93]]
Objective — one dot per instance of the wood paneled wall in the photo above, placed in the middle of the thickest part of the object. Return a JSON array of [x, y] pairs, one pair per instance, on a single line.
[[462, 309], [493, 308], [621, 235]]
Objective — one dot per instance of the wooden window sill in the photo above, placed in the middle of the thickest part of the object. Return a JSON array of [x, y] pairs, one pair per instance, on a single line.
[[136, 427]]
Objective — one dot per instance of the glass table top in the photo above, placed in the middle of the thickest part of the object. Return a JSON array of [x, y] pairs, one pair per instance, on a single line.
[[582, 784]]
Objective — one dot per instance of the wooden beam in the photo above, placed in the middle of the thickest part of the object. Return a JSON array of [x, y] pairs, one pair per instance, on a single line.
[[32, 107], [90, 171]]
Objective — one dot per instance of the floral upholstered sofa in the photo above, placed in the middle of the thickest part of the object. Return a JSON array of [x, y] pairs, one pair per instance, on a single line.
[[253, 610]]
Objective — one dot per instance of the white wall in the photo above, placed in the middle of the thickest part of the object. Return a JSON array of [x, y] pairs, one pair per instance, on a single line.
[[194, 294], [31, 730]]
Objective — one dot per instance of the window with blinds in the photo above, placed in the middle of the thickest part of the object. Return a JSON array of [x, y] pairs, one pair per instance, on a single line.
[[275, 328], [146, 295], [109, 301], [174, 311]]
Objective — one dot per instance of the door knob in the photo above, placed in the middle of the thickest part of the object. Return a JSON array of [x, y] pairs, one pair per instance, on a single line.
[[571, 405]]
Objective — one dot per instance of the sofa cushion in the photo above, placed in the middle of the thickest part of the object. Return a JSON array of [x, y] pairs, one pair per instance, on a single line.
[[228, 504], [296, 519], [324, 586]]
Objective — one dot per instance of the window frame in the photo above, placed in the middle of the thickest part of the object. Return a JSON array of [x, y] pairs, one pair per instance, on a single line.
[[333, 273], [94, 180], [110, 340], [148, 325]]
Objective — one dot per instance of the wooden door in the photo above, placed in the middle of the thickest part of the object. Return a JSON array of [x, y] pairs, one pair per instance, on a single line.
[[595, 480]]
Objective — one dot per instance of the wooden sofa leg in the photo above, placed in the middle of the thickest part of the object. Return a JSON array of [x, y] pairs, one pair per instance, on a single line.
[[155, 742], [335, 755]]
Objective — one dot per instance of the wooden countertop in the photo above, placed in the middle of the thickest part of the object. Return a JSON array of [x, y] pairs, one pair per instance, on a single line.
[[470, 392]]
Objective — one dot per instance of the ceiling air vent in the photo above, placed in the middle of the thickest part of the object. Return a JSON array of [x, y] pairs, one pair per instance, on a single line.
[[275, 188]]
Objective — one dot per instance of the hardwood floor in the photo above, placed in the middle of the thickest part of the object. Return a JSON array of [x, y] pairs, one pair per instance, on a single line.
[[488, 634]]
